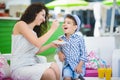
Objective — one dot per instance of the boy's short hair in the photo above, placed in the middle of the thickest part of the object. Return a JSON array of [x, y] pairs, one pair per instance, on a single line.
[[76, 19]]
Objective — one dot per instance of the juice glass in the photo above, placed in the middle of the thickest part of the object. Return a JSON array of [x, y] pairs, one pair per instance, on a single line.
[[108, 73], [101, 72]]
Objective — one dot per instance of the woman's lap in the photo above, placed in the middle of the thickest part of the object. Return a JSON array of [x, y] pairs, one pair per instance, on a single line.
[[30, 72]]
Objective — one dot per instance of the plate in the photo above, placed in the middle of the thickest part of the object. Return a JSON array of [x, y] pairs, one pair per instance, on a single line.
[[59, 42]]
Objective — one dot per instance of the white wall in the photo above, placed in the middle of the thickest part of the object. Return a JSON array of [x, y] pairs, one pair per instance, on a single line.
[[16, 2]]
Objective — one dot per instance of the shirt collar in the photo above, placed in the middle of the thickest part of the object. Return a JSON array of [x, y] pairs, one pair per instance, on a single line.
[[73, 35]]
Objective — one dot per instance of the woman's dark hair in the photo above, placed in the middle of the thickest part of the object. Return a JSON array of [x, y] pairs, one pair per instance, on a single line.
[[30, 14]]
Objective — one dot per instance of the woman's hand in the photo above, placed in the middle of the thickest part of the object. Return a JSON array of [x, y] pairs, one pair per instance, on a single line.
[[55, 25], [54, 45]]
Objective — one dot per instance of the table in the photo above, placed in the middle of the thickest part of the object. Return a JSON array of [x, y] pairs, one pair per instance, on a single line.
[[96, 78]]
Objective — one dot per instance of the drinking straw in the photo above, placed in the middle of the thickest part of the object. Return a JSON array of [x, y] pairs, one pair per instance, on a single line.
[[94, 60], [104, 63]]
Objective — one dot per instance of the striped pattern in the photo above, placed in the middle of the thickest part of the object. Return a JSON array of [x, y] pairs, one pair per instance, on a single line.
[[74, 50]]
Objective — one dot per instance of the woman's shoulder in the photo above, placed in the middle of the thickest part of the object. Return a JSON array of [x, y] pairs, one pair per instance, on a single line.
[[19, 27], [20, 23]]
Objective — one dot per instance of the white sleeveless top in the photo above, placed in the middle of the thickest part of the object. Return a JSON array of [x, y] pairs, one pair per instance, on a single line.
[[24, 65], [23, 52]]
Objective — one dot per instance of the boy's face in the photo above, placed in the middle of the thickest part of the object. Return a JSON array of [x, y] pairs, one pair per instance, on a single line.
[[69, 26]]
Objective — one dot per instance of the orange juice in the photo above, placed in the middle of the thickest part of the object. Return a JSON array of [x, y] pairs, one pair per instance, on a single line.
[[101, 72], [108, 73]]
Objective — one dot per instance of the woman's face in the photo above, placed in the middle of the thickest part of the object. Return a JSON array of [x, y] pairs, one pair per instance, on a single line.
[[69, 26], [40, 18]]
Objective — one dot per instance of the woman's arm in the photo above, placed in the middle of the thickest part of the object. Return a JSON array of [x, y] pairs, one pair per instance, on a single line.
[[23, 29], [43, 48]]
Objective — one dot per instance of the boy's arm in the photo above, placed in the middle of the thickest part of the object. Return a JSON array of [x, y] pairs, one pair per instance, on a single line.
[[83, 53], [61, 56], [83, 57]]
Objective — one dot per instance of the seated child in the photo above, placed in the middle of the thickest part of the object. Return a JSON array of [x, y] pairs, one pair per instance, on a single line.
[[73, 53]]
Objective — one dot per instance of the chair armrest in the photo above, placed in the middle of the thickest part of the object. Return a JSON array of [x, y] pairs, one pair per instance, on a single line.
[[7, 56], [116, 63], [60, 64], [43, 59]]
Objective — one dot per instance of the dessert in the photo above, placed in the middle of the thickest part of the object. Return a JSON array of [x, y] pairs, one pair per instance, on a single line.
[[59, 41]]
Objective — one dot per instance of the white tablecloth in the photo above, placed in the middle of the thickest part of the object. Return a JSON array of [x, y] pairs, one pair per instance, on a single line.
[[96, 78]]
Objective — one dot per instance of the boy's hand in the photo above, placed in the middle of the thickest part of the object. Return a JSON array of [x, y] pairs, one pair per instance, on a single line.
[[61, 56], [78, 68]]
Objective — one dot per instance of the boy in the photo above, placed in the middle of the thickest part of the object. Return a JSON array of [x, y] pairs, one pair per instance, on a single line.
[[73, 53]]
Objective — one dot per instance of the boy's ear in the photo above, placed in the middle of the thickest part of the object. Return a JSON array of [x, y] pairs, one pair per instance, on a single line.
[[76, 27]]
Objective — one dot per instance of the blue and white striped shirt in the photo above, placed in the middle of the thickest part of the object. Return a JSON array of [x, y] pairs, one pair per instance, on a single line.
[[74, 50]]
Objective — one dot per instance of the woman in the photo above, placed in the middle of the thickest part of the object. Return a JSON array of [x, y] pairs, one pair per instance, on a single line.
[[27, 42]]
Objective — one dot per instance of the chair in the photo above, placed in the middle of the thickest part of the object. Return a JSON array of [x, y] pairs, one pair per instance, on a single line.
[[8, 56], [104, 47]]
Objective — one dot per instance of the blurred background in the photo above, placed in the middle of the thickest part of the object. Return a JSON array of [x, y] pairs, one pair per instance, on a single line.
[[98, 18]]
